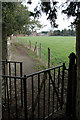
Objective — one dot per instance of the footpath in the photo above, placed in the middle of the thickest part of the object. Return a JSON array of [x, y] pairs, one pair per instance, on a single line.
[[17, 52]]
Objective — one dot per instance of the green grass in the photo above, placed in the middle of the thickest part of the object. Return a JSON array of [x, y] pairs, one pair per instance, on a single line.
[[60, 46]]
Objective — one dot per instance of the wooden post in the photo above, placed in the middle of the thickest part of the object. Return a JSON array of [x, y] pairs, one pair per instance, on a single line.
[[40, 50], [30, 43], [48, 57], [36, 48], [71, 91], [26, 43]]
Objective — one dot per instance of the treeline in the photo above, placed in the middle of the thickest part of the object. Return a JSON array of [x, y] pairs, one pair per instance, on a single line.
[[64, 32]]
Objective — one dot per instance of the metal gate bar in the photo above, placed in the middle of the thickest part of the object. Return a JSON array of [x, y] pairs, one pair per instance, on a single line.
[[36, 96]]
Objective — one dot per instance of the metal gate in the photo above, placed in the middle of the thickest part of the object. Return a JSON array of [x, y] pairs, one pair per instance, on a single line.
[[36, 96]]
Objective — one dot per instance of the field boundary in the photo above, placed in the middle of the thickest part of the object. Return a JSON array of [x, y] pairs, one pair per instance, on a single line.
[[38, 49], [41, 45]]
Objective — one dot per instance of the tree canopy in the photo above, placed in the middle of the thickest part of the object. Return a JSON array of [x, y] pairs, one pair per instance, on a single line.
[[73, 9], [70, 9], [64, 32], [50, 8], [16, 18]]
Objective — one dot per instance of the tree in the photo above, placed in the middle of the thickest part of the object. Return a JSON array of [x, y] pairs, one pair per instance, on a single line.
[[15, 16], [72, 9], [15, 19], [64, 32]]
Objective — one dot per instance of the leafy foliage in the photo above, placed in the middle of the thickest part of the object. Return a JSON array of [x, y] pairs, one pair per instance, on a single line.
[[16, 18], [64, 32], [73, 9], [50, 8]]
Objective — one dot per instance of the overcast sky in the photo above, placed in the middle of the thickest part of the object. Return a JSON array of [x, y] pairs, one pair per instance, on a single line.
[[63, 20]]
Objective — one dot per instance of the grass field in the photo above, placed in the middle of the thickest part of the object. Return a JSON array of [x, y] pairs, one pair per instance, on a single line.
[[60, 46]]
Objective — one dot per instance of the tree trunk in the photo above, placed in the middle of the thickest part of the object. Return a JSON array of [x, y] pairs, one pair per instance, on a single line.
[[78, 70], [4, 42]]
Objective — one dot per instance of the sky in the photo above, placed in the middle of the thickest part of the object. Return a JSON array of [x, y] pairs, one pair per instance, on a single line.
[[63, 21]]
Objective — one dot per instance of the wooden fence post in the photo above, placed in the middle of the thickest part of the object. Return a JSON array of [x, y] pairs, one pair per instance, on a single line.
[[71, 91], [40, 50], [36, 49], [30, 43], [26, 43], [48, 57]]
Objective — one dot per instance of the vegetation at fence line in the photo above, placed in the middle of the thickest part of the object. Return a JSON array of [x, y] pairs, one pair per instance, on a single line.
[[60, 47], [39, 64]]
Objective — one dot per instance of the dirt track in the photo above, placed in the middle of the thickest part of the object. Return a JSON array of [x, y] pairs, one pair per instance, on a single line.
[[20, 53]]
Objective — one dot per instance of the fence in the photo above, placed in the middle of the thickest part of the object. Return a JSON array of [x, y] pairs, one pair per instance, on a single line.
[[10, 68], [46, 55], [35, 96], [47, 91]]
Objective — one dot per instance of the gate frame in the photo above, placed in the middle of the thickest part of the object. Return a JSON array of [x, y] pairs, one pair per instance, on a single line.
[[24, 82], [71, 91]]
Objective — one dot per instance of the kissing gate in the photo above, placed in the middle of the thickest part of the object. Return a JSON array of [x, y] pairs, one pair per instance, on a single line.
[[37, 96]]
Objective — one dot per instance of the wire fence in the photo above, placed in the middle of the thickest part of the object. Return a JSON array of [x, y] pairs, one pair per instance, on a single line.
[[42, 52]]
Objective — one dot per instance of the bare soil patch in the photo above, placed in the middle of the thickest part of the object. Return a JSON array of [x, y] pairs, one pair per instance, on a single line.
[[30, 61]]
